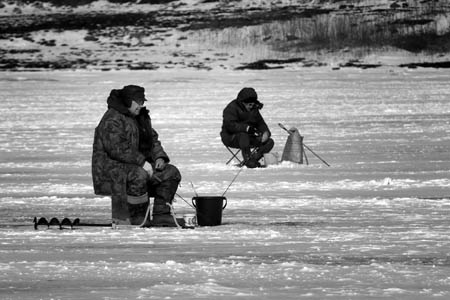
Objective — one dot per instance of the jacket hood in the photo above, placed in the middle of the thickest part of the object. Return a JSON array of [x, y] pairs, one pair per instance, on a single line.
[[248, 95], [119, 103]]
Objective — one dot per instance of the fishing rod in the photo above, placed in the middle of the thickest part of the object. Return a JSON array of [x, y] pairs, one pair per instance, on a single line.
[[291, 132]]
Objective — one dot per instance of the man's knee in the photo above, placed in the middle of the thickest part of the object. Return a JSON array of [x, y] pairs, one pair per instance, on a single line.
[[170, 172], [267, 146], [270, 143], [140, 174]]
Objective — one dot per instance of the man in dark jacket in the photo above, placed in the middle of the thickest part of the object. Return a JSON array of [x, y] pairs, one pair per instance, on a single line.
[[129, 162], [243, 127]]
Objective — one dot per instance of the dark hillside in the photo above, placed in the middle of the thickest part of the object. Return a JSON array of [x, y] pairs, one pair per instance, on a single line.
[[207, 34]]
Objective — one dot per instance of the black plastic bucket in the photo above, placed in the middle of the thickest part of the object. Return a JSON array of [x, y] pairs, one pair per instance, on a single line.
[[209, 209]]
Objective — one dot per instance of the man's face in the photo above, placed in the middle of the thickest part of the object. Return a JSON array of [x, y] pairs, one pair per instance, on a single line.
[[249, 106], [135, 107]]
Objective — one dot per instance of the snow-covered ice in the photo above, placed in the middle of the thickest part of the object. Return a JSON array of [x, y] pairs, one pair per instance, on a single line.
[[374, 225]]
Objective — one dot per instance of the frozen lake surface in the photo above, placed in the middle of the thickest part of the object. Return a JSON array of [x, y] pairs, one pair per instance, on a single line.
[[374, 225]]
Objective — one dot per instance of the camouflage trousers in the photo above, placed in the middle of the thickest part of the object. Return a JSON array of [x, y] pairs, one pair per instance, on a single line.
[[136, 182]]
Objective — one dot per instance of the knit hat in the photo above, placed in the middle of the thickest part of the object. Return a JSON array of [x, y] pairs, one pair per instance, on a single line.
[[132, 92], [248, 95]]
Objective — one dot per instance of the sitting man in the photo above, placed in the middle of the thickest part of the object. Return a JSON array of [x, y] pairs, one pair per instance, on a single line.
[[129, 162], [243, 127]]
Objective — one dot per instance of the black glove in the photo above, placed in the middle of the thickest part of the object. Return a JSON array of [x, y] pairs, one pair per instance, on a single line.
[[252, 130]]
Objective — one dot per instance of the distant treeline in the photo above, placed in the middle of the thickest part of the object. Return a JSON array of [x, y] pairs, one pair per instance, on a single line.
[[424, 27], [74, 3]]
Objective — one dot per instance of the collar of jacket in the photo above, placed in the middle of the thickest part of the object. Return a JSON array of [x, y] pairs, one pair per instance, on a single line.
[[116, 102]]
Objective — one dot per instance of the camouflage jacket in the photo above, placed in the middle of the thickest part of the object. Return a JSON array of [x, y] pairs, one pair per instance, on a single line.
[[121, 140]]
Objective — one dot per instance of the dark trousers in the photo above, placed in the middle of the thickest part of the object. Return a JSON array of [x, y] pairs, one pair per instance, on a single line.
[[245, 141]]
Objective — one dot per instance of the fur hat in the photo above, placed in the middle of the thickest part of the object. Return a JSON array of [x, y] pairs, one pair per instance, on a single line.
[[132, 92]]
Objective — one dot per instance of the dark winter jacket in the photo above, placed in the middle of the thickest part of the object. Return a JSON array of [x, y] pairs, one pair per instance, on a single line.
[[236, 118], [121, 140]]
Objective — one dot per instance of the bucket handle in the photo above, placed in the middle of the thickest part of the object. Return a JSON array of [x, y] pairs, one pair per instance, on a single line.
[[225, 205]]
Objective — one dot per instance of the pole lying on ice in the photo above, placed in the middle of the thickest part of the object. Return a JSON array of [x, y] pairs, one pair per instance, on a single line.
[[290, 132], [65, 223], [316, 155]]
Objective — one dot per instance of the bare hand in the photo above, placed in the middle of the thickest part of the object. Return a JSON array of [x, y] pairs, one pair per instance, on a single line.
[[265, 136], [160, 164], [148, 167]]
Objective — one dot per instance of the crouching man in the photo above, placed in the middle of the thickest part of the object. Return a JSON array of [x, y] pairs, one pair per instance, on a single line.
[[129, 163], [243, 127]]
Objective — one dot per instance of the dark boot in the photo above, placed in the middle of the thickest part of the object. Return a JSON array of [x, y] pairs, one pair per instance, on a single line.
[[249, 161], [252, 163], [246, 153], [163, 216], [137, 207], [262, 149]]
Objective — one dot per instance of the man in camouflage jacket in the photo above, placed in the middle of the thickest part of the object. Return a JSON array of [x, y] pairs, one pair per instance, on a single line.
[[129, 162]]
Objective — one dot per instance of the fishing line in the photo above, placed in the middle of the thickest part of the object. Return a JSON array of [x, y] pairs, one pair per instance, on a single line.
[[233, 180], [242, 166], [185, 201]]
